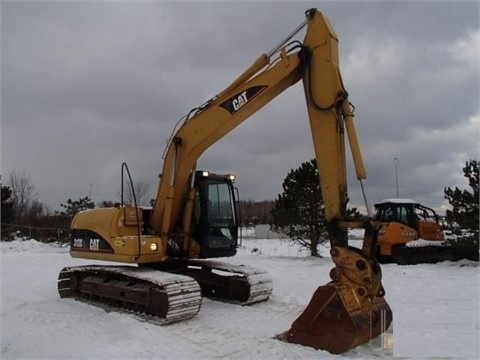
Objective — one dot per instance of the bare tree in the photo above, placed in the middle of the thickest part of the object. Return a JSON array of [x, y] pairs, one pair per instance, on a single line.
[[256, 212], [141, 189], [23, 192]]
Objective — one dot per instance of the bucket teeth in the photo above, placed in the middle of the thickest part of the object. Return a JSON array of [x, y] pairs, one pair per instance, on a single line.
[[326, 324]]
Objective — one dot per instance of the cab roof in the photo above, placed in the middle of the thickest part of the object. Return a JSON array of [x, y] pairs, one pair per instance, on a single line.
[[396, 201]]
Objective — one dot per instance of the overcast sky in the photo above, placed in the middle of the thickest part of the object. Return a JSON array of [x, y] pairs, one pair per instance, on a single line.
[[87, 85]]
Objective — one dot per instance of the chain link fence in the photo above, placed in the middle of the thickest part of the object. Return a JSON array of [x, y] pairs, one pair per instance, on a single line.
[[11, 232]]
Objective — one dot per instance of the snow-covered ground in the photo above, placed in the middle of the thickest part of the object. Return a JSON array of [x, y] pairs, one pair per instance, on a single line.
[[435, 309]]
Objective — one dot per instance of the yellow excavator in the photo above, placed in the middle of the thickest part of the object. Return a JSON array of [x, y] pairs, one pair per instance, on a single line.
[[194, 218]]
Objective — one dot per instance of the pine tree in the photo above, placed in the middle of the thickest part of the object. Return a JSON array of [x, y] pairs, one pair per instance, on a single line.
[[8, 212], [72, 207], [298, 211], [465, 203], [7, 205]]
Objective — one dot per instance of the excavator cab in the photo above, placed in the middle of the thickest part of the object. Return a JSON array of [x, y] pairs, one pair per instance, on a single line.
[[215, 225]]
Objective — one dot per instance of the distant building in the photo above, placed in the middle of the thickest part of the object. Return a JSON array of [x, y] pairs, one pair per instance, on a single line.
[[262, 231]]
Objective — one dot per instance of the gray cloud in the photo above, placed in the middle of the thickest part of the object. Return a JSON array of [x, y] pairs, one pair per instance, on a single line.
[[88, 85]]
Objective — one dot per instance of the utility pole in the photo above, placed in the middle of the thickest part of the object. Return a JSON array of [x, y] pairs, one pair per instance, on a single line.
[[397, 162]]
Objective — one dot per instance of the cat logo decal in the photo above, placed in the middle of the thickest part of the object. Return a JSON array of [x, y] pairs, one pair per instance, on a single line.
[[237, 101]]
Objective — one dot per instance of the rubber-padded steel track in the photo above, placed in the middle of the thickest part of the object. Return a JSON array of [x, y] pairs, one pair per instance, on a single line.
[[405, 255], [238, 283], [165, 296]]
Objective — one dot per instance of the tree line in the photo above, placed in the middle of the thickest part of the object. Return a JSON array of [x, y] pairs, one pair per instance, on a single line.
[[21, 210], [255, 212], [23, 213], [298, 211]]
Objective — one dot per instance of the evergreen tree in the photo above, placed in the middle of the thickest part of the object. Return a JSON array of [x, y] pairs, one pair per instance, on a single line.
[[106, 204], [72, 207], [8, 212], [298, 211], [7, 205], [465, 203]]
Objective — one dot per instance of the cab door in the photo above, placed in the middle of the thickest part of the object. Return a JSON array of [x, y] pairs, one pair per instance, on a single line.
[[217, 229]]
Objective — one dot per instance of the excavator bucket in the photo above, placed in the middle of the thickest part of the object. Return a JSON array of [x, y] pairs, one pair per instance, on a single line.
[[346, 312]]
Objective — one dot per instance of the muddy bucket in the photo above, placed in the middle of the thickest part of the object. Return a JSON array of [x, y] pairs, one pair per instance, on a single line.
[[343, 313]]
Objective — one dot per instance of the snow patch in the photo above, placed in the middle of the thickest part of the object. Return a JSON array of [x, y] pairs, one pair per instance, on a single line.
[[24, 244], [423, 242], [432, 308]]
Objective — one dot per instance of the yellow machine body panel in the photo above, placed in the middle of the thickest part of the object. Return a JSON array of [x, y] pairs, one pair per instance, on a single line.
[[114, 236], [395, 233], [392, 234], [430, 230]]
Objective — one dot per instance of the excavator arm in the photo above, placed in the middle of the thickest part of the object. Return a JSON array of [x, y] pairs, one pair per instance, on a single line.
[[350, 309]]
